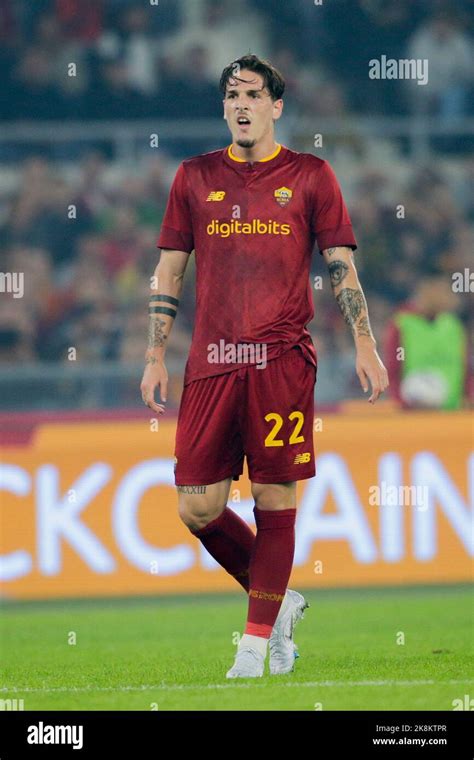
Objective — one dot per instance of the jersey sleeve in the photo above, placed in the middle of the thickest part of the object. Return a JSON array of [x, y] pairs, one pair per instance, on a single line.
[[177, 228], [330, 219]]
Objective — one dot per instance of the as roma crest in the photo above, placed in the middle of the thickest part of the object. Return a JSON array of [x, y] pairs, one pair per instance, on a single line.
[[283, 196]]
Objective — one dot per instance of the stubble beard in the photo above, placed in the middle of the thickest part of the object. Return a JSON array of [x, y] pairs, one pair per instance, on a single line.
[[246, 143]]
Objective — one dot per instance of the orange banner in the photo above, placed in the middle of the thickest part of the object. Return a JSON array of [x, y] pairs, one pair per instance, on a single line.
[[90, 509]]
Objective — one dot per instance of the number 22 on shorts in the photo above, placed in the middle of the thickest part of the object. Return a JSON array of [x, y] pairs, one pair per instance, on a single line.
[[295, 436]]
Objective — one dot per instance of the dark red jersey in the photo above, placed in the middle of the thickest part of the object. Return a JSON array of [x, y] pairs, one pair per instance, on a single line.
[[253, 227]]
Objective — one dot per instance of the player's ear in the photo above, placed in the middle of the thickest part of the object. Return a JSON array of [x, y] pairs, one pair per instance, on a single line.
[[277, 109]]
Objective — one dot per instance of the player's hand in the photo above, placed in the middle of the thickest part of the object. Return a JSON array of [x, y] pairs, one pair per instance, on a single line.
[[154, 376], [370, 368]]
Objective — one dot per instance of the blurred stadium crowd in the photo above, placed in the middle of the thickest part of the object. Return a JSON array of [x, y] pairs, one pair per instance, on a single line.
[[134, 60], [87, 275]]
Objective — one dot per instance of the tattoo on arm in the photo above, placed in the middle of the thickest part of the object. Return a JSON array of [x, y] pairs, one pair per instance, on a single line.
[[156, 336], [330, 251], [351, 303], [337, 271], [156, 325], [353, 306], [191, 489], [363, 327]]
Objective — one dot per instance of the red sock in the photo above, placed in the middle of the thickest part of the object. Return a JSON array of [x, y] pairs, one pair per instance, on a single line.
[[230, 541], [270, 568]]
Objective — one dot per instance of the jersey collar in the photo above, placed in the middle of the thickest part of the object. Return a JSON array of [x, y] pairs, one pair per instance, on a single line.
[[241, 164]]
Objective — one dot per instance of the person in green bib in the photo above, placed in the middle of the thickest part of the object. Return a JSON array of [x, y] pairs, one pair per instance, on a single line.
[[426, 349]]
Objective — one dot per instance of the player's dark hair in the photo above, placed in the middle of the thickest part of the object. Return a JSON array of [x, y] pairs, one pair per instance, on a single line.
[[272, 78]]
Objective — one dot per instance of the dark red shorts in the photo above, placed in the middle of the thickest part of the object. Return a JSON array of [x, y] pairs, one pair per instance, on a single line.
[[263, 414]]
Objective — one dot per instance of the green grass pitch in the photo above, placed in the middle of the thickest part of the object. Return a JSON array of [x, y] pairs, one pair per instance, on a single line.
[[172, 653]]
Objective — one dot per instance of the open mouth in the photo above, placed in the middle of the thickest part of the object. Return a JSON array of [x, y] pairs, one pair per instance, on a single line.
[[243, 121]]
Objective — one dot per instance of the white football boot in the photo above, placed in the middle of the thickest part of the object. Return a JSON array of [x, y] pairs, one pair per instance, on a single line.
[[283, 650], [248, 664]]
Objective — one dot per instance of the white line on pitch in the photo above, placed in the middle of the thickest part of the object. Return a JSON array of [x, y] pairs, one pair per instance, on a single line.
[[191, 687]]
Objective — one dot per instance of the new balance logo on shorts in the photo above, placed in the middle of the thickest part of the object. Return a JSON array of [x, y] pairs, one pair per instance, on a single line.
[[302, 458]]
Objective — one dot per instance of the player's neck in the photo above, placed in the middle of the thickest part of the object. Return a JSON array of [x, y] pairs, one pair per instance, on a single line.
[[257, 153]]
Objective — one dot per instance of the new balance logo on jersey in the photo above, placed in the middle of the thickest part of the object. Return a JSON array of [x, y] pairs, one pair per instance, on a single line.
[[302, 458], [216, 195]]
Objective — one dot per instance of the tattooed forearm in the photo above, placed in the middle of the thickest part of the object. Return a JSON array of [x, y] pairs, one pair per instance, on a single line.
[[348, 292], [156, 335], [363, 327], [337, 271], [156, 326], [354, 309], [351, 303], [191, 489]]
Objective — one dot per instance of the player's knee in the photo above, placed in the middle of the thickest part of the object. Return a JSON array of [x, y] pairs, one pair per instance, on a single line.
[[274, 495], [195, 514], [192, 516]]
